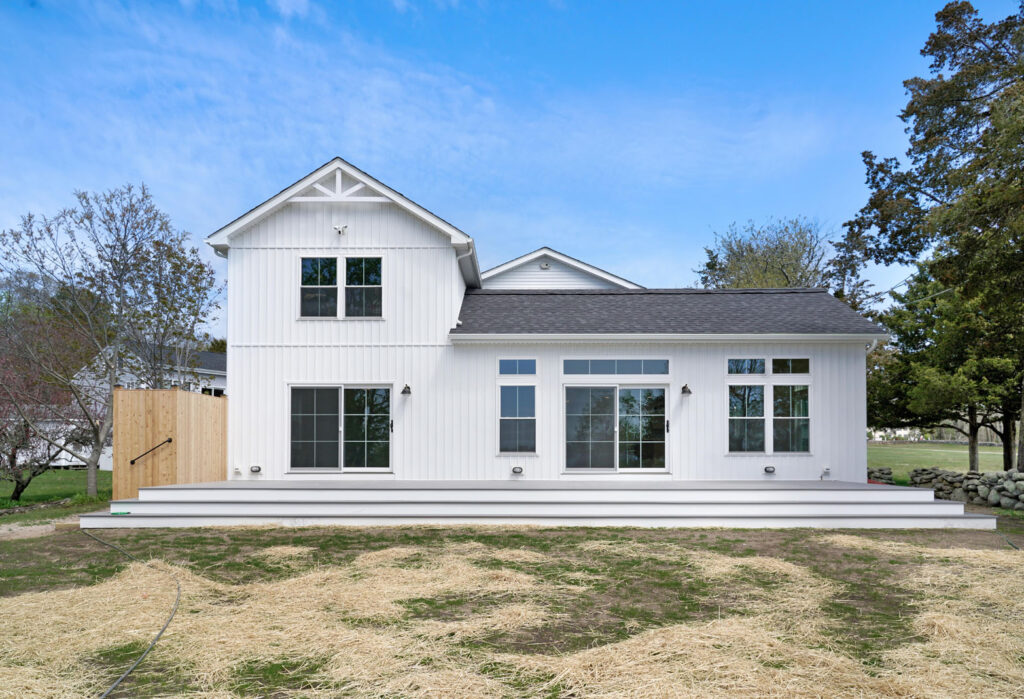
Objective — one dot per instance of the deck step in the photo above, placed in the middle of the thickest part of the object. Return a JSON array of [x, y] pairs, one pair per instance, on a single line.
[[605, 506], [962, 521], [637, 503]]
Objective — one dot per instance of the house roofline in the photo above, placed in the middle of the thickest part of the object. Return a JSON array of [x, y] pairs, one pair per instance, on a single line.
[[564, 259], [220, 240], [829, 338]]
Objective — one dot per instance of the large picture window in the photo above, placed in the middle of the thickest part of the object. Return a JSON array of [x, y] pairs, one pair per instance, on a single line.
[[367, 427], [314, 428], [319, 287], [363, 290], [518, 421], [746, 418], [791, 426]]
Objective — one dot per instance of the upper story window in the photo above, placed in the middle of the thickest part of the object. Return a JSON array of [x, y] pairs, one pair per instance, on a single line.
[[520, 367], [363, 292], [746, 366], [319, 291], [791, 366], [615, 366]]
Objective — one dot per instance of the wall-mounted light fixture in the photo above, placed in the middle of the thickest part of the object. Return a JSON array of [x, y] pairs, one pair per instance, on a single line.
[[518, 470], [545, 265], [406, 391], [686, 389], [769, 470], [255, 469]]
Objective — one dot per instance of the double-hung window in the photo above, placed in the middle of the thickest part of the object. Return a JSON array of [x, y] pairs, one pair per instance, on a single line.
[[319, 287], [363, 290], [362, 282], [518, 422], [791, 428]]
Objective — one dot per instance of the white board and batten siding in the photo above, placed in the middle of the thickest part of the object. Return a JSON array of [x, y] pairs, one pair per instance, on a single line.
[[556, 275], [447, 429]]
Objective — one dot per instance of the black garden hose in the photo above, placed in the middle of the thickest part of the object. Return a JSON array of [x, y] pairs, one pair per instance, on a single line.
[[167, 623]]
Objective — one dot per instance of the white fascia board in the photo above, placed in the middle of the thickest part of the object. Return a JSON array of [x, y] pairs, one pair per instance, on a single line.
[[220, 240], [655, 338], [564, 259]]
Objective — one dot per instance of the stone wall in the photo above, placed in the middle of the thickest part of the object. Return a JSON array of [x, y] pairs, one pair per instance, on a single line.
[[882, 475], [1001, 489]]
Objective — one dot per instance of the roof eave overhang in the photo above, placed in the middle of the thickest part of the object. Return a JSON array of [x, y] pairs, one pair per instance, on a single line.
[[817, 338]]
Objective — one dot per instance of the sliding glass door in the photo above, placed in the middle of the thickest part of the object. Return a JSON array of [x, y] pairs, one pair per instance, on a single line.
[[346, 428], [615, 427]]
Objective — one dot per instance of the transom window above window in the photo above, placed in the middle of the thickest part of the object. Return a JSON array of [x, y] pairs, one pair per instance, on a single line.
[[511, 367], [746, 366], [615, 366], [363, 293], [319, 287], [791, 366]]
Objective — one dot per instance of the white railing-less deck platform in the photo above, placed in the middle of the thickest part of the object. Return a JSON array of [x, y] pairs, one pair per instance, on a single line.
[[745, 504]]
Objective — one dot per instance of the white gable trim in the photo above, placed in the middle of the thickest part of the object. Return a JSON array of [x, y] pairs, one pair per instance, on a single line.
[[565, 260], [221, 239]]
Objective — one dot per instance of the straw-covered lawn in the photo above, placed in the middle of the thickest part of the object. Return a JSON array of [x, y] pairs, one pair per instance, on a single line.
[[462, 612]]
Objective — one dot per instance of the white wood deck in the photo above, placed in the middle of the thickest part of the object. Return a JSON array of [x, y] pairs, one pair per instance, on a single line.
[[746, 504]]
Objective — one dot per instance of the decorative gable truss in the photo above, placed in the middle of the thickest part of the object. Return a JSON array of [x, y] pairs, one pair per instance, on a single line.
[[340, 187]]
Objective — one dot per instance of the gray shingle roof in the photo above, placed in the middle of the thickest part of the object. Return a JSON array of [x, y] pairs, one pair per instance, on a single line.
[[211, 361], [668, 311]]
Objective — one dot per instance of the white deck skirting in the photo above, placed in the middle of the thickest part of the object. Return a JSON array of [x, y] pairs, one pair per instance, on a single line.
[[746, 504]]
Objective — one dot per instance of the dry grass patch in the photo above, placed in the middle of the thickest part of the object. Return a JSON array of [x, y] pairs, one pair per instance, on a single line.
[[427, 620]]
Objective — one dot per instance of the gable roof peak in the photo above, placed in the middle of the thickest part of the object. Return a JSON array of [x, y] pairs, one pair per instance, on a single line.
[[564, 259], [339, 181]]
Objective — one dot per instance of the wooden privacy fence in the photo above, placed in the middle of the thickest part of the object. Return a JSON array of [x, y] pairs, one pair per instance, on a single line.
[[144, 421]]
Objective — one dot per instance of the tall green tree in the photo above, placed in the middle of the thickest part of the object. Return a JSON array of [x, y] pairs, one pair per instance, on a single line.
[[959, 192], [943, 369]]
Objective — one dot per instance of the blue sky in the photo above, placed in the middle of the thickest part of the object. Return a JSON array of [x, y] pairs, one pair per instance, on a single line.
[[622, 133]]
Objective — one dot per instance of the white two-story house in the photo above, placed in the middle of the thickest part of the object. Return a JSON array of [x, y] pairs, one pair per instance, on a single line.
[[370, 361]]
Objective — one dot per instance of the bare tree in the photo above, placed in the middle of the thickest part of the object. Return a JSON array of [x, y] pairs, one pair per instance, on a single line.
[[778, 254], [93, 283]]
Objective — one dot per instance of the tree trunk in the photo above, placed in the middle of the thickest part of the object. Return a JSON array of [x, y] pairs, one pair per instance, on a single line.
[[19, 488], [1020, 433], [1009, 438], [973, 428]]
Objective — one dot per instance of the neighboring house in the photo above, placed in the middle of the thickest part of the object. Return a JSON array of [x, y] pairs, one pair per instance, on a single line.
[[209, 376], [372, 362]]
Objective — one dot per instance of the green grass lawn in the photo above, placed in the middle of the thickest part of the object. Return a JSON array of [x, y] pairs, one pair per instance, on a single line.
[[51, 487], [903, 457]]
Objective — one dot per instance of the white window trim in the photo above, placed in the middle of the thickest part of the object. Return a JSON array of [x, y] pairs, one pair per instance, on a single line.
[[769, 380], [340, 470], [634, 381], [536, 416], [341, 286], [500, 359], [616, 378]]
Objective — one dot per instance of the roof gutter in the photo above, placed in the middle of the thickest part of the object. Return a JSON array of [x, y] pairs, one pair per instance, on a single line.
[[473, 280], [500, 338]]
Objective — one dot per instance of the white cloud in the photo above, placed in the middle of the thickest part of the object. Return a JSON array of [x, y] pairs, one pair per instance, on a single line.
[[291, 8]]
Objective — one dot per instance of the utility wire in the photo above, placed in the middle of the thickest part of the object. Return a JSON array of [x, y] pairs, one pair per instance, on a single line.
[[167, 623]]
